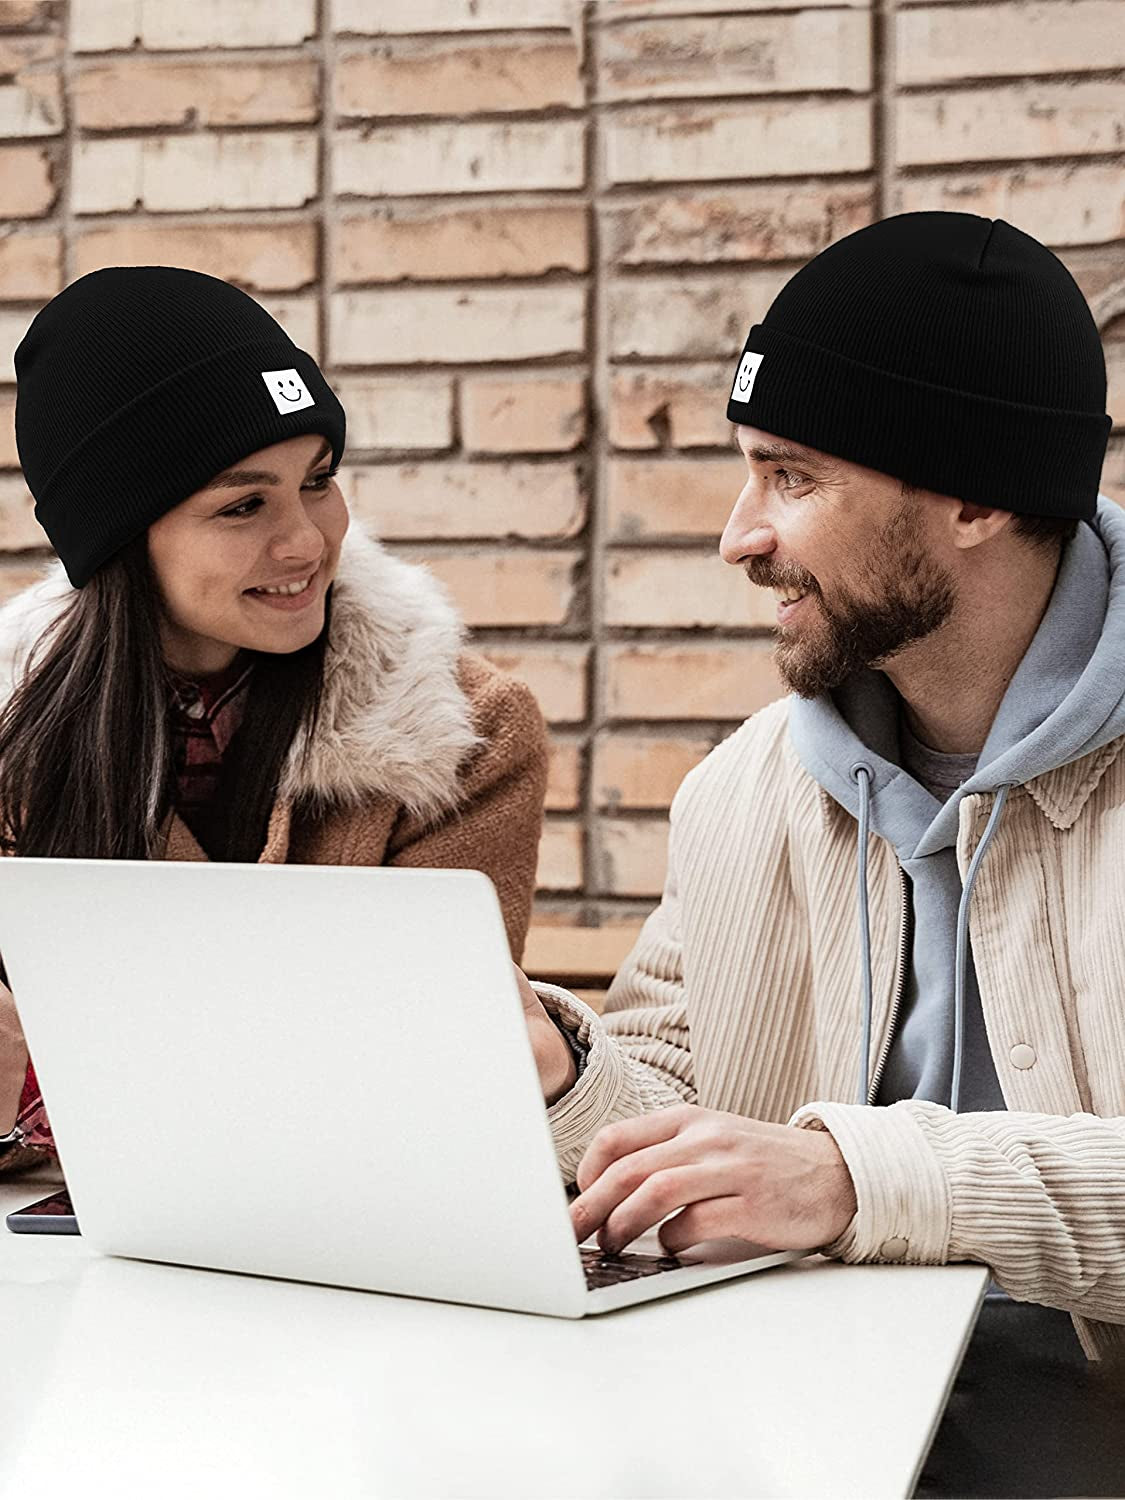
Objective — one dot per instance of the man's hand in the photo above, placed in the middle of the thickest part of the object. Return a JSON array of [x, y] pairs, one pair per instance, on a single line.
[[553, 1058], [774, 1185]]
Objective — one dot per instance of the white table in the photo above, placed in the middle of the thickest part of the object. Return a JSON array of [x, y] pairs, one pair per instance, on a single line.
[[132, 1379]]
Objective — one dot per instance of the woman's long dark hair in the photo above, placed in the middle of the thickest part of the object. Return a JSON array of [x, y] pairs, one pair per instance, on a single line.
[[86, 767]]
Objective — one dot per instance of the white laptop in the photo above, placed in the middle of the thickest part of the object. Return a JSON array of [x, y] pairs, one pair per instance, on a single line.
[[309, 1072]]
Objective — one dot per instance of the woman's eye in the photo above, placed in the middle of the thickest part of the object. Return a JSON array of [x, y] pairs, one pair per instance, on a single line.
[[322, 481], [240, 509]]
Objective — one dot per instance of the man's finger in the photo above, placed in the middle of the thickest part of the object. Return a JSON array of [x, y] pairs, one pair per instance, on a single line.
[[706, 1219], [621, 1178], [661, 1194], [624, 1137]]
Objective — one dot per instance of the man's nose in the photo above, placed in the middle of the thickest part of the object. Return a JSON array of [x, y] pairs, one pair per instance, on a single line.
[[747, 533]]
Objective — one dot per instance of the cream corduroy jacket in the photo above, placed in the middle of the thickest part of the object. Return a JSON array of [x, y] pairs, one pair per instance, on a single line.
[[743, 994]]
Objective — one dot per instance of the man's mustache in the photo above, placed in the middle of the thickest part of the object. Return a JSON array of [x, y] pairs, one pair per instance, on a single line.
[[764, 575]]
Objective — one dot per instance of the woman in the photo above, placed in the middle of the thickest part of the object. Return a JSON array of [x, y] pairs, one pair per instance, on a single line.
[[216, 667]]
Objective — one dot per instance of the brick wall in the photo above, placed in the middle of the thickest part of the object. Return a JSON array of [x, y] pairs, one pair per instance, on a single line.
[[526, 238]]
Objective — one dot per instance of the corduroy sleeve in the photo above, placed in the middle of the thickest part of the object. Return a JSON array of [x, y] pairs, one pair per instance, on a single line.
[[497, 823], [13, 1061], [1040, 1199], [638, 1053]]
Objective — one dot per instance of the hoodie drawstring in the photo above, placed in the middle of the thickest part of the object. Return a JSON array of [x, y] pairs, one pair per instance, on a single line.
[[863, 775]]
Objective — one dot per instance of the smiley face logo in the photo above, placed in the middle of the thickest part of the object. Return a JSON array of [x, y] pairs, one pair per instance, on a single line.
[[289, 391], [747, 374]]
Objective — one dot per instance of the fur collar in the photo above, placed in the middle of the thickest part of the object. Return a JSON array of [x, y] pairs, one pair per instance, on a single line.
[[394, 719]]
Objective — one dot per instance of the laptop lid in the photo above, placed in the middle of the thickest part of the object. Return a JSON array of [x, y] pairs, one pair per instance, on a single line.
[[306, 1071]]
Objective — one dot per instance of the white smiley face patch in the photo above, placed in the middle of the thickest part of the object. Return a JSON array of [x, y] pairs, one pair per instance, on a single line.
[[747, 374], [289, 391]]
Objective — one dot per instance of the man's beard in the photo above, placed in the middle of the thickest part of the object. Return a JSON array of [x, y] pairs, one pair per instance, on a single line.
[[913, 595]]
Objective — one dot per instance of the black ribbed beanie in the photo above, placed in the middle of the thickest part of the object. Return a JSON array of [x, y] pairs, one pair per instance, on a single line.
[[953, 352], [138, 384]]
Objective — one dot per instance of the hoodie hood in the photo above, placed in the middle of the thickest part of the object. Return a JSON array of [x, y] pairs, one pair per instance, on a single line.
[[1065, 700]]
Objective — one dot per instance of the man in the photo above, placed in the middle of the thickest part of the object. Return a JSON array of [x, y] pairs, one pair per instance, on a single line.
[[902, 886]]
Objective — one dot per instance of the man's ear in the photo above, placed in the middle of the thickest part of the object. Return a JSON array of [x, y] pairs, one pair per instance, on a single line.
[[970, 525]]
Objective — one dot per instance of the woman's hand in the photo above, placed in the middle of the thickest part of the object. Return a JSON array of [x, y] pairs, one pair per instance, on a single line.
[[553, 1058]]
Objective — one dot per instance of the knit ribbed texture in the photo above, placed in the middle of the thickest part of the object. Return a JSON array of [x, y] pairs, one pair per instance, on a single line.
[[951, 351], [138, 384], [743, 994]]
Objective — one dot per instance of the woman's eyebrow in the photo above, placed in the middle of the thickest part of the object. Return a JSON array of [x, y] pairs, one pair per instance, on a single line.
[[234, 478]]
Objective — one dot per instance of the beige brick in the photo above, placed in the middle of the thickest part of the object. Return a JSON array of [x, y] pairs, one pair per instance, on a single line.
[[18, 53], [503, 414], [1115, 371], [556, 672], [1016, 120], [1060, 205], [260, 257], [29, 187], [632, 856], [145, 93], [455, 78], [668, 406], [182, 173], [9, 458], [560, 856], [464, 501], [768, 221], [106, 25], [1113, 470], [682, 590], [30, 266], [938, 44], [501, 588], [643, 770], [15, 577], [676, 497], [19, 530], [32, 105], [393, 17], [17, 13], [564, 776], [810, 49], [463, 157], [397, 413], [446, 326], [666, 317], [655, 10], [695, 142], [13, 326], [299, 316], [558, 944], [728, 680], [399, 244], [1098, 271]]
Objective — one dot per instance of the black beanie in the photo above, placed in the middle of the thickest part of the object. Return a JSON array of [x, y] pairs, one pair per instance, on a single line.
[[138, 384], [953, 352]]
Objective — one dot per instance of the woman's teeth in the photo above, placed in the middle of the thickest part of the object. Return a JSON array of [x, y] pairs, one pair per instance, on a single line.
[[285, 588]]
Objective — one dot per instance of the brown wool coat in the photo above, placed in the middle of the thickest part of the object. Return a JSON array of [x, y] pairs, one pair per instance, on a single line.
[[425, 754]]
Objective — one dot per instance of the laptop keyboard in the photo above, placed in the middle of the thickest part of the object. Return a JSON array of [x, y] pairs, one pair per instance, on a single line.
[[611, 1270]]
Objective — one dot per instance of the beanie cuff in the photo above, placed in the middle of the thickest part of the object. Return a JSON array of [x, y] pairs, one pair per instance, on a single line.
[[1032, 460], [202, 419]]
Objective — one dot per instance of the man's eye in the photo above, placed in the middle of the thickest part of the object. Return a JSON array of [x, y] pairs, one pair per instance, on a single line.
[[788, 475]]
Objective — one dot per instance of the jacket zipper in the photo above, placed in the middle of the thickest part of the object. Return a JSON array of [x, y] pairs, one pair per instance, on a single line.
[[900, 986]]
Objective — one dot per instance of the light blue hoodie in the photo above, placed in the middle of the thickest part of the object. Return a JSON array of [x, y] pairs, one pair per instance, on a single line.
[[1065, 700]]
